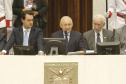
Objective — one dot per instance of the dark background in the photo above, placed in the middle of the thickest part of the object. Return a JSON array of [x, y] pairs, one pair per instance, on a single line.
[[79, 10]]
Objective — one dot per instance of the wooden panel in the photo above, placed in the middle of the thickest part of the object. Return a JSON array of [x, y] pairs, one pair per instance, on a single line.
[[79, 10], [86, 14]]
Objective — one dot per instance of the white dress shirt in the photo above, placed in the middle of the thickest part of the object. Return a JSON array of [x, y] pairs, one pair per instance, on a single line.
[[68, 36]]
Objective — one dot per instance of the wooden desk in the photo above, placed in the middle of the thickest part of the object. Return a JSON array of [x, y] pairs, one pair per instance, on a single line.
[[93, 69]]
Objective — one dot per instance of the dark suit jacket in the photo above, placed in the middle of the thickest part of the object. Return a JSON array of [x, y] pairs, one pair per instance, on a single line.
[[18, 6], [35, 39], [90, 38], [2, 41], [76, 42]]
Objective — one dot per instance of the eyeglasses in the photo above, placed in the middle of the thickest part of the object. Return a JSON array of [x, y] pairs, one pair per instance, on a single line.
[[65, 25]]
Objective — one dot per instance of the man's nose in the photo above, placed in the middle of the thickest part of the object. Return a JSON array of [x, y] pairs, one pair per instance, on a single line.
[[31, 21], [67, 26], [96, 26]]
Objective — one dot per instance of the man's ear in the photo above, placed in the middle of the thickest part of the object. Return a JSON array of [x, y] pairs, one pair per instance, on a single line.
[[21, 19], [60, 25], [103, 24]]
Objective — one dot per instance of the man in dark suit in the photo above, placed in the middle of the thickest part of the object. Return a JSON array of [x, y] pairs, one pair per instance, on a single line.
[[75, 41], [2, 41], [98, 34], [26, 35], [39, 7]]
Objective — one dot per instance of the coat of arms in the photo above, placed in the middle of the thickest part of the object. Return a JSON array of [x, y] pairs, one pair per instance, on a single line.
[[61, 73]]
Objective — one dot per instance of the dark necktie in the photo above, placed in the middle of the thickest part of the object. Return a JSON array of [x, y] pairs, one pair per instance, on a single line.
[[98, 38]]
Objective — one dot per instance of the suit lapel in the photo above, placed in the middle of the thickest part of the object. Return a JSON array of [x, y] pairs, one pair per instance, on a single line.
[[21, 34], [60, 35], [92, 37], [31, 34], [71, 38]]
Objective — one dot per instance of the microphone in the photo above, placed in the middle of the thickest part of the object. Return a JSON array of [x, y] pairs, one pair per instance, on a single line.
[[66, 37], [65, 32]]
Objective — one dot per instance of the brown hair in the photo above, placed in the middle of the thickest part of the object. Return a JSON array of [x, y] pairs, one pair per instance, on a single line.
[[23, 14]]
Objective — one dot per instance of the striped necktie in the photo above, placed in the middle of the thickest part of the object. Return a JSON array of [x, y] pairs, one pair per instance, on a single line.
[[98, 38]]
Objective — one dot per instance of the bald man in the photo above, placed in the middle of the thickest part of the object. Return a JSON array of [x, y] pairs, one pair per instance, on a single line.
[[75, 39]]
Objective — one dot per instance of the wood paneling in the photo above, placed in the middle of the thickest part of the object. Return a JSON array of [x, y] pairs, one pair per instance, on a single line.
[[79, 10]]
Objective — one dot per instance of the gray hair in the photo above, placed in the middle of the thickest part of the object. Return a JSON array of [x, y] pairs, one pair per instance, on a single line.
[[64, 17], [101, 17]]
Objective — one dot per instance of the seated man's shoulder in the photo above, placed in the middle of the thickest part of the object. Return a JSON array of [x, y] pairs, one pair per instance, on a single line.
[[17, 29], [88, 32], [38, 29], [57, 32], [109, 31], [121, 29], [76, 32]]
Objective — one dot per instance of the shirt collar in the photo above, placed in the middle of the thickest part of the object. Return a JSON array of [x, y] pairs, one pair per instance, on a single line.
[[99, 33], [26, 29], [67, 34]]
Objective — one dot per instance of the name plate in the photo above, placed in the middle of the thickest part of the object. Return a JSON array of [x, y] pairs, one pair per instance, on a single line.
[[61, 73]]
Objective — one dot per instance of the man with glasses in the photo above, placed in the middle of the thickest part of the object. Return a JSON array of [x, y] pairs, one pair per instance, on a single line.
[[98, 34]]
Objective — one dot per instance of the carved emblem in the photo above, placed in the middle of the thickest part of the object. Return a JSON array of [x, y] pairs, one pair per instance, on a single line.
[[61, 72], [60, 78]]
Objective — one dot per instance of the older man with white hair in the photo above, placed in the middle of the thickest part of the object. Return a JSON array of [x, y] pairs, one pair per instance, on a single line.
[[74, 39], [98, 34]]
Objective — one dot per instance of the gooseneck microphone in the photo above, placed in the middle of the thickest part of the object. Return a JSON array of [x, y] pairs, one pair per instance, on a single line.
[[65, 32], [66, 37]]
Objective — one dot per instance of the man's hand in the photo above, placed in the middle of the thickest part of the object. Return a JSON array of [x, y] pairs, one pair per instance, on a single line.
[[108, 14], [2, 53], [35, 13], [41, 53], [25, 9], [80, 53]]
